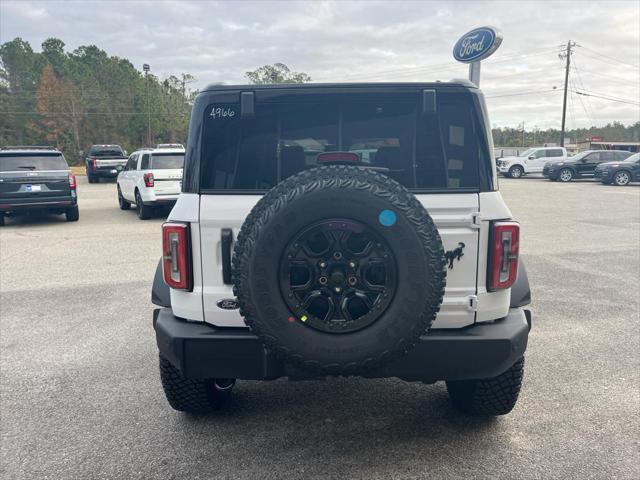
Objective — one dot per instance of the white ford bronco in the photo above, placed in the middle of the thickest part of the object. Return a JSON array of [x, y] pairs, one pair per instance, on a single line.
[[338, 230]]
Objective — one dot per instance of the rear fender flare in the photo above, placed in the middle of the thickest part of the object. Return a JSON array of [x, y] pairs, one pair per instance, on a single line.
[[160, 294], [520, 291]]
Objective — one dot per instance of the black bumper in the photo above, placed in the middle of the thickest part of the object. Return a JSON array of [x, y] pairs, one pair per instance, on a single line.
[[109, 172], [199, 350], [37, 202]]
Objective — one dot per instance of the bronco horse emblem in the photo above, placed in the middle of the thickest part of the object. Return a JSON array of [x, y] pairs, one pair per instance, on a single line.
[[455, 254]]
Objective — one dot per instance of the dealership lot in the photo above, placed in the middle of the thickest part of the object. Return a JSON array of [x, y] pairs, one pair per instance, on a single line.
[[80, 394]]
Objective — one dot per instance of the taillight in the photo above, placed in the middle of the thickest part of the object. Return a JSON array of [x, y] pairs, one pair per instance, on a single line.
[[503, 255], [176, 256], [72, 181], [339, 157], [148, 179], [93, 162]]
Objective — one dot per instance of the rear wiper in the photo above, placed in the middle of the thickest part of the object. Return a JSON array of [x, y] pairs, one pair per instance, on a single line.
[[28, 167]]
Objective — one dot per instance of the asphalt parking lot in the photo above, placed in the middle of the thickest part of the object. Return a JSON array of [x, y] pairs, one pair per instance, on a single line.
[[81, 398]]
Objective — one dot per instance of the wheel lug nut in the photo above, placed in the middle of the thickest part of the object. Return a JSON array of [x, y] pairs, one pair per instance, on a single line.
[[323, 280], [337, 255]]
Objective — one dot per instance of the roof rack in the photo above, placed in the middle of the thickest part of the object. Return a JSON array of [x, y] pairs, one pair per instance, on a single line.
[[28, 147]]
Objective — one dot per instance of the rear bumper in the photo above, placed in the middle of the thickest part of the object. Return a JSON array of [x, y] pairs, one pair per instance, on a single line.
[[150, 197], [18, 204], [199, 350], [110, 171]]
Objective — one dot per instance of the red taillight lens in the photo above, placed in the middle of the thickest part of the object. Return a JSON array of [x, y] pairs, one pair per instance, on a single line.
[[72, 181], [330, 157], [93, 162], [503, 255], [148, 179], [176, 256]]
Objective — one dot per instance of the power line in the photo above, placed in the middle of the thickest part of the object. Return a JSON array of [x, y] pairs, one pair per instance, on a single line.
[[611, 78], [525, 92], [609, 57], [627, 101]]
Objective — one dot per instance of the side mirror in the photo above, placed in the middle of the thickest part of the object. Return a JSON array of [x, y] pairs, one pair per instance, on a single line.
[[125, 153], [532, 157]]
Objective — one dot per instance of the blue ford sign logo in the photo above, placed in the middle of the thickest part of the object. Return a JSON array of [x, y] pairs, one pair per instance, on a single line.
[[477, 44]]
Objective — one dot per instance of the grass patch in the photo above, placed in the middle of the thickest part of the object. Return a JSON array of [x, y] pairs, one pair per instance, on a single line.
[[78, 170]]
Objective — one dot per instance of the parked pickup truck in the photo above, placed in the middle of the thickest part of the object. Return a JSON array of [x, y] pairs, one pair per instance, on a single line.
[[104, 161], [530, 161]]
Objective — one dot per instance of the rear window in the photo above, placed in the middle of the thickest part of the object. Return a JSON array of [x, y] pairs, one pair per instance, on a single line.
[[423, 152], [30, 162], [161, 161], [107, 151]]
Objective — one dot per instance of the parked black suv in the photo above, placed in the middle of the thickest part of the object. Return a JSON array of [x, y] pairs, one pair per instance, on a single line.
[[620, 173], [582, 165], [36, 178]]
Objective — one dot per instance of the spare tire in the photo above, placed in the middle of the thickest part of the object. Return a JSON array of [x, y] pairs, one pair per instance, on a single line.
[[339, 270]]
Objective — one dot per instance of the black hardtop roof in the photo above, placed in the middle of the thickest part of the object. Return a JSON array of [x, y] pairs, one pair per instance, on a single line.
[[456, 83]]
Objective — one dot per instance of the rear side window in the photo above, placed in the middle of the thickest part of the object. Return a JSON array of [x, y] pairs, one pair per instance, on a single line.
[[160, 161], [554, 153], [30, 162], [387, 131], [144, 163]]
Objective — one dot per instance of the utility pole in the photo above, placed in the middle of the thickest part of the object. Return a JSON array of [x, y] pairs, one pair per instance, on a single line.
[[146, 69], [523, 133], [566, 55]]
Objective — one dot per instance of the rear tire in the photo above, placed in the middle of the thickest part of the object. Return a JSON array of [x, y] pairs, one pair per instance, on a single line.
[[72, 214], [489, 396], [516, 171], [144, 211], [565, 175], [193, 396], [124, 205]]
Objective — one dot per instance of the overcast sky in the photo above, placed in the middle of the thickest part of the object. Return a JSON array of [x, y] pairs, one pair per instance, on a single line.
[[369, 41]]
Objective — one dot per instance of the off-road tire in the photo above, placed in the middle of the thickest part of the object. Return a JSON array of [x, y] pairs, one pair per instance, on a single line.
[[322, 193], [490, 396], [72, 214], [124, 205], [143, 211], [193, 396], [516, 171]]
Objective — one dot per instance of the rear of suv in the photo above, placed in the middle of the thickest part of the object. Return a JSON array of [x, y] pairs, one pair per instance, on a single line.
[[36, 178], [151, 177], [330, 230], [104, 161]]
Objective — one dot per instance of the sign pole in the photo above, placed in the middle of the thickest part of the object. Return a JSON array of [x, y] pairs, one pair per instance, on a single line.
[[474, 73]]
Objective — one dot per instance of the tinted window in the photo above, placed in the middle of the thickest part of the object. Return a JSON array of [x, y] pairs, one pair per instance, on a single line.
[[622, 155], [144, 163], [106, 151], [607, 157], [29, 162], [386, 131], [166, 160], [541, 153], [592, 157], [554, 153]]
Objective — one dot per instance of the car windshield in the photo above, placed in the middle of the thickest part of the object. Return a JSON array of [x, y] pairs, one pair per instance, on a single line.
[[111, 151], [24, 162], [633, 158], [581, 155], [526, 153], [385, 130], [161, 161]]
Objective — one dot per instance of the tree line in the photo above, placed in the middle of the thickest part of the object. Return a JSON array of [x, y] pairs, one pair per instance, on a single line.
[[75, 99]]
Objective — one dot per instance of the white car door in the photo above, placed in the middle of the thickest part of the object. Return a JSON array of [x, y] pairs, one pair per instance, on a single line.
[[536, 164], [128, 181]]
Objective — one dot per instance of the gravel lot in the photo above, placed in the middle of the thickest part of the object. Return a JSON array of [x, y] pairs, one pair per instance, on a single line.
[[81, 398]]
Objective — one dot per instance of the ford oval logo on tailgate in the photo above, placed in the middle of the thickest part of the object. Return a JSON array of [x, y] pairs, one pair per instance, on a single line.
[[477, 44], [228, 304]]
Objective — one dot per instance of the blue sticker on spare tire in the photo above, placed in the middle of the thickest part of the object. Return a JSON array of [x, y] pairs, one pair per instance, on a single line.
[[387, 218]]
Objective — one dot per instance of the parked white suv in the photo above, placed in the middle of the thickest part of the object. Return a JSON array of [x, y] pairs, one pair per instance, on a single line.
[[151, 177], [530, 161], [288, 254]]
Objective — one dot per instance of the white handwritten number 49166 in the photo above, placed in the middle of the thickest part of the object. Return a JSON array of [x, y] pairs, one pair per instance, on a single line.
[[221, 112]]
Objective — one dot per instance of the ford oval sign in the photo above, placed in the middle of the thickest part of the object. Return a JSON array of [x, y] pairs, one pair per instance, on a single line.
[[477, 44]]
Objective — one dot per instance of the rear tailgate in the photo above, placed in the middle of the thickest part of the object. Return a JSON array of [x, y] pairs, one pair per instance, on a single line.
[[106, 162], [455, 215], [167, 181], [16, 186]]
